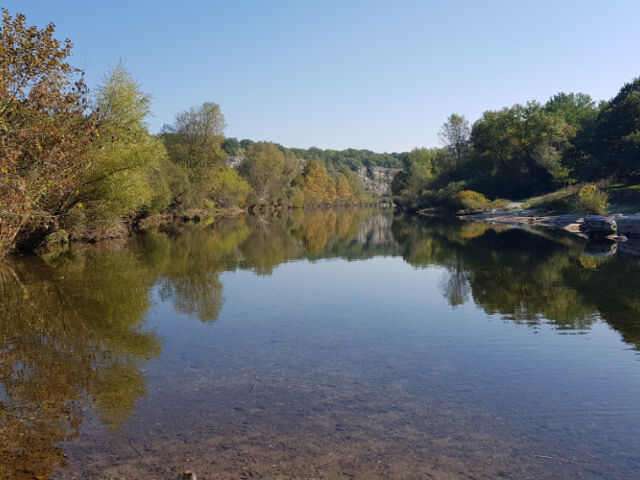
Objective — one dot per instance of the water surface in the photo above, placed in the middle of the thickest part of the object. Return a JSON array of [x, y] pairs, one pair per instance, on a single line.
[[330, 344]]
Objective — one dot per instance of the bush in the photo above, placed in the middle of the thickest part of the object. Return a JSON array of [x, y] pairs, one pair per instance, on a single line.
[[471, 200], [592, 200]]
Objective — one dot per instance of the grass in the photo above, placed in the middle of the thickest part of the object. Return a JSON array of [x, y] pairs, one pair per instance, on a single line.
[[622, 199], [560, 201]]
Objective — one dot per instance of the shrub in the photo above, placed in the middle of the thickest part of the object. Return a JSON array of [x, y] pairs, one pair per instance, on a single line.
[[471, 200], [592, 200]]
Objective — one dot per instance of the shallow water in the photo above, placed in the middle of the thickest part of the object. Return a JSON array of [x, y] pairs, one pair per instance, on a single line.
[[326, 345]]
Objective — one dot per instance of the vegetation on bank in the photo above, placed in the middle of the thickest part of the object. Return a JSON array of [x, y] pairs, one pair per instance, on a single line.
[[570, 144], [73, 159]]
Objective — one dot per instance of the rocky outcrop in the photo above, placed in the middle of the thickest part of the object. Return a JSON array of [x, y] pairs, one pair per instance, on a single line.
[[377, 180]]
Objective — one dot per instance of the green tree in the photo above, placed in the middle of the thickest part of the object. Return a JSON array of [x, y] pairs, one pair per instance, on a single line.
[[268, 171], [455, 134], [578, 109], [419, 170], [229, 188], [195, 138], [119, 177], [518, 151], [231, 146], [615, 145]]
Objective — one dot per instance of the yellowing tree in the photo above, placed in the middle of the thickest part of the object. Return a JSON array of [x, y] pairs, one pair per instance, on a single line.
[[344, 192], [318, 187]]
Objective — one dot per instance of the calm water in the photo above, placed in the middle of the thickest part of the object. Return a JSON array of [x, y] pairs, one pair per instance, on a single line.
[[325, 345]]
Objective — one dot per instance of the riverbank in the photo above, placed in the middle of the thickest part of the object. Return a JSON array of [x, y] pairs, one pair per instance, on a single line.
[[125, 228], [119, 232], [616, 231]]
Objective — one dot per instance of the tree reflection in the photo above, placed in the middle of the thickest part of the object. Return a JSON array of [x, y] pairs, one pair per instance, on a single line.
[[188, 261], [526, 276], [70, 335]]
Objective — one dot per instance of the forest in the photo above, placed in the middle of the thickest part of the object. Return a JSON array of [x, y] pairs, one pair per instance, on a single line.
[[333, 159], [570, 153]]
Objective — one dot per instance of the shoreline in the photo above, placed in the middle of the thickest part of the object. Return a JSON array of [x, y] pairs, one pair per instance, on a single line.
[[124, 229], [606, 234]]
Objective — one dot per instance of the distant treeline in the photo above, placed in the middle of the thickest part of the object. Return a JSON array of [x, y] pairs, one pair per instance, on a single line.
[[72, 159], [333, 159], [526, 150]]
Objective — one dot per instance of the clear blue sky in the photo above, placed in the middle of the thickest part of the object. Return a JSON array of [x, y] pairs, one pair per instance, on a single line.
[[335, 74]]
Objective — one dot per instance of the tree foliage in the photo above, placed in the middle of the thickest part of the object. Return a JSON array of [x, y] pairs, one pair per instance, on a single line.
[[195, 138], [454, 134], [268, 171], [46, 129], [120, 176], [615, 145]]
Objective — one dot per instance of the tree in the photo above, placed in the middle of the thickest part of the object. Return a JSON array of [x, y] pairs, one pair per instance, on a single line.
[[117, 179], [318, 188], [268, 171], [578, 109], [419, 169], [615, 145], [229, 188], [231, 146], [454, 134], [518, 151], [195, 138], [46, 130]]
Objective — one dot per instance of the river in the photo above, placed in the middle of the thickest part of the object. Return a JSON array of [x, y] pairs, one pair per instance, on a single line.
[[334, 344]]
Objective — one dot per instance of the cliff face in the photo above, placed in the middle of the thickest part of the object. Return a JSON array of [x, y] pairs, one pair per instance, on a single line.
[[377, 180]]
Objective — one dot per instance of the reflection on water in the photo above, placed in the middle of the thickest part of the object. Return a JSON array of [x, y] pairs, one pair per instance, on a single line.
[[70, 335], [385, 362]]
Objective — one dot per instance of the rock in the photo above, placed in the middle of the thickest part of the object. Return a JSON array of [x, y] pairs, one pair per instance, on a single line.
[[629, 226], [188, 476], [377, 180], [599, 226]]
